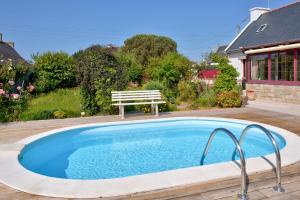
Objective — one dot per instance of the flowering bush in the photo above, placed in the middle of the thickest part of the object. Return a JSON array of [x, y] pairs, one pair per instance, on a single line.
[[230, 99], [13, 97]]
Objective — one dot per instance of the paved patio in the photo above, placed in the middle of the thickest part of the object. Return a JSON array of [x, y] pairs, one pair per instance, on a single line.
[[260, 186], [286, 108]]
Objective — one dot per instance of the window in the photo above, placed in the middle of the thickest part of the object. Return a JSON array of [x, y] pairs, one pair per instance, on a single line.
[[261, 28], [259, 67], [298, 64], [282, 66]]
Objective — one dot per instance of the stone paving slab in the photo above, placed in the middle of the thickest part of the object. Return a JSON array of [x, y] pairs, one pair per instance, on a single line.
[[285, 108]]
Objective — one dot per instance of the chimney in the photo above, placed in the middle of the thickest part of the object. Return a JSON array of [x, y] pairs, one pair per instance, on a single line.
[[12, 44], [256, 12]]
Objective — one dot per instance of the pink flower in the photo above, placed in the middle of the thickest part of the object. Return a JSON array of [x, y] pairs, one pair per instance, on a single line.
[[30, 88], [1, 84], [15, 96], [6, 95], [19, 88], [11, 82], [2, 92]]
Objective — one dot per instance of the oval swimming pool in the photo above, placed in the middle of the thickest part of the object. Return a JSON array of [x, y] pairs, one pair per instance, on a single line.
[[127, 149]]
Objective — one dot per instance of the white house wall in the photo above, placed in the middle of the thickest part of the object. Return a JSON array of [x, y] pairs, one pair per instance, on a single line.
[[236, 61]]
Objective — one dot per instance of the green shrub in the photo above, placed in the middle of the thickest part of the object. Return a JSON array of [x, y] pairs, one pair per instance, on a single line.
[[59, 114], [133, 67], [227, 77], [207, 98], [54, 70], [229, 99], [169, 70], [165, 107], [37, 115], [13, 96], [153, 85], [187, 93], [11, 109], [166, 92], [99, 73]]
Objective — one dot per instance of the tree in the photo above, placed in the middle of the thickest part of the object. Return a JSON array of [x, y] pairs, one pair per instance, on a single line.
[[170, 69], [227, 77], [134, 68], [99, 73], [145, 47], [54, 70]]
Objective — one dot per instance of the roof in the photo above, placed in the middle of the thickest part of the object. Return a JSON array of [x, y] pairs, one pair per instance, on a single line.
[[278, 21], [221, 50], [7, 52], [208, 73]]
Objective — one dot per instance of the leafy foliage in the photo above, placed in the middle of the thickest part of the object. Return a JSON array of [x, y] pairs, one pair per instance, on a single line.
[[10, 108], [134, 68], [229, 99], [227, 78], [187, 92], [54, 70], [170, 69], [99, 73], [145, 47], [207, 98], [13, 94]]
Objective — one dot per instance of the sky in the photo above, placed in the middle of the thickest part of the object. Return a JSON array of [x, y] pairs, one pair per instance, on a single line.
[[198, 26]]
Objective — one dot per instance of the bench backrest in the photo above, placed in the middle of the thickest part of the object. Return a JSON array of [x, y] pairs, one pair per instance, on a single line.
[[140, 95]]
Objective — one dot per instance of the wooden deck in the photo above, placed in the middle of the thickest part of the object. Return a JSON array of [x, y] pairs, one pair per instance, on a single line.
[[260, 186]]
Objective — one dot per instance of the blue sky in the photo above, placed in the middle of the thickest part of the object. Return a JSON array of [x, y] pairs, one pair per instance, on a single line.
[[70, 25]]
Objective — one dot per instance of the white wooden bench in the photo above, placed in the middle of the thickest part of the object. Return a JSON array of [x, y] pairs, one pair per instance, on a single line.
[[141, 97]]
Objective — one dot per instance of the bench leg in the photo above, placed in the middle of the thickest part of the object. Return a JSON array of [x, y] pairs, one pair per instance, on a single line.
[[156, 110], [123, 112], [120, 111]]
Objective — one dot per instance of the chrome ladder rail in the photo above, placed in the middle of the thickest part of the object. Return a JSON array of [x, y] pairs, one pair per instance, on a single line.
[[278, 187], [243, 195]]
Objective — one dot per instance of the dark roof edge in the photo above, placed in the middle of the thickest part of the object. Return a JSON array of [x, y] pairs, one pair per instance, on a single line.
[[271, 44], [287, 5]]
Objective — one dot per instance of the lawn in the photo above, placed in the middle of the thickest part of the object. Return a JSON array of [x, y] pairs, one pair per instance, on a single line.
[[57, 104]]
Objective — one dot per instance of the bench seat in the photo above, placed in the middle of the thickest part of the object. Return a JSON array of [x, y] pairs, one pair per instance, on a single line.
[[141, 97]]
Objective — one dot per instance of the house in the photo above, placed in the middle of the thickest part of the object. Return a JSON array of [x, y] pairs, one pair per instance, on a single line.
[[7, 52], [208, 76], [221, 50], [267, 53]]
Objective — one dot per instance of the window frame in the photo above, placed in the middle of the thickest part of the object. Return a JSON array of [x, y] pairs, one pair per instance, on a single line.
[[270, 81]]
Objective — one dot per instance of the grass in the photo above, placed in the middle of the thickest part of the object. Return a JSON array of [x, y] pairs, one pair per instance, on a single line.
[[61, 103]]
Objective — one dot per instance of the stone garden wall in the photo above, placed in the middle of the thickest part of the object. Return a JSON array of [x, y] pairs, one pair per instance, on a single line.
[[281, 93]]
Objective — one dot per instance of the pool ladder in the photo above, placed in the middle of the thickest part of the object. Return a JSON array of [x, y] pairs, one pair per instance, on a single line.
[[243, 194]]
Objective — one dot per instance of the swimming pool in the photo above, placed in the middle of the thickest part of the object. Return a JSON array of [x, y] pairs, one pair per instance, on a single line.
[[122, 150], [141, 157]]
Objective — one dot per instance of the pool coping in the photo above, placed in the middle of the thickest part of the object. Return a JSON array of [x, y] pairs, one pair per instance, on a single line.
[[13, 174]]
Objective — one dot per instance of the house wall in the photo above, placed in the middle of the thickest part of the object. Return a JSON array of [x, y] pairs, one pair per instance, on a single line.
[[237, 62], [280, 93]]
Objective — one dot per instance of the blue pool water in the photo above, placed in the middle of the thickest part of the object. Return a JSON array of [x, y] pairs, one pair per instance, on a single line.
[[111, 151]]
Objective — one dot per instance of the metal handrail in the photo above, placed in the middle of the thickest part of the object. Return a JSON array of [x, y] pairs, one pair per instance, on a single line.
[[243, 195], [278, 186]]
